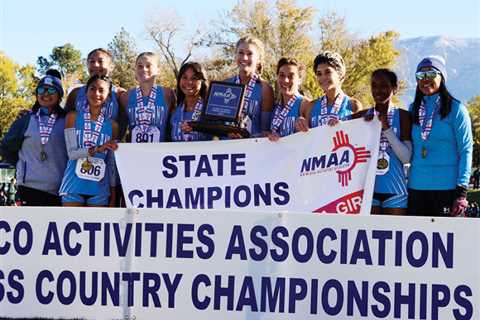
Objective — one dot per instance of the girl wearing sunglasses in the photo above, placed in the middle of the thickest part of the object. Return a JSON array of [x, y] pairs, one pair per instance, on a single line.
[[89, 178], [37, 141], [442, 145]]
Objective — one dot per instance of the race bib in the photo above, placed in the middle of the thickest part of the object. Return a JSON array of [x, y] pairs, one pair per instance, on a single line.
[[92, 169], [151, 135]]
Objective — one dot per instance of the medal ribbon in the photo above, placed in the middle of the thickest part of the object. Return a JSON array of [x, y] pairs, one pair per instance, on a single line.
[[248, 91], [427, 123], [144, 114], [90, 137], [197, 110], [45, 128], [333, 114], [278, 117], [383, 140]]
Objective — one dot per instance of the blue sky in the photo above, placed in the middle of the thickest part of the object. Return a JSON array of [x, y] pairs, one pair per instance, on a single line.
[[29, 29]]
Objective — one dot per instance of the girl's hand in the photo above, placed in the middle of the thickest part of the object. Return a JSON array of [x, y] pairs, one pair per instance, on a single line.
[[384, 120], [301, 124], [273, 136], [333, 122], [109, 145], [185, 127], [232, 135]]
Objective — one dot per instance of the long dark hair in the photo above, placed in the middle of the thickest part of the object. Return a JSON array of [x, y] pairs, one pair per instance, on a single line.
[[57, 109], [200, 73], [445, 101]]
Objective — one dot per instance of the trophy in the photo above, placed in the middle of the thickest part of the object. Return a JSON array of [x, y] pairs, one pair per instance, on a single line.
[[222, 113]]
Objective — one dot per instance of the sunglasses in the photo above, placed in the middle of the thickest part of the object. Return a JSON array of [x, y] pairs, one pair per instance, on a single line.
[[49, 90], [427, 75]]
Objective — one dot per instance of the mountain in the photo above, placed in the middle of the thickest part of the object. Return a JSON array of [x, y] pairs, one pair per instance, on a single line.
[[462, 58]]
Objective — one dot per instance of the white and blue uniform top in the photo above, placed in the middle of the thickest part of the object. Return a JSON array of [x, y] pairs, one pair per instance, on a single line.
[[72, 183], [344, 113], [287, 125], [393, 181], [448, 149], [179, 115], [111, 105], [158, 119], [253, 106]]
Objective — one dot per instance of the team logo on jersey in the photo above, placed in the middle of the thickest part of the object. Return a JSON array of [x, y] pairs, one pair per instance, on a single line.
[[342, 159]]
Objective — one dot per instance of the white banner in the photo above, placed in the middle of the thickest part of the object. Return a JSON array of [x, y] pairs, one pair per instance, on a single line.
[[328, 169], [151, 264]]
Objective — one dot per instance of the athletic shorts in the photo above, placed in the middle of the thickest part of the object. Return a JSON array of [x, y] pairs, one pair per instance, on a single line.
[[390, 200], [99, 200]]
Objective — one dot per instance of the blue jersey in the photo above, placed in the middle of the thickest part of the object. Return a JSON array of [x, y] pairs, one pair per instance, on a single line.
[[71, 182], [444, 159], [287, 127], [254, 107], [111, 105], [393, 181], [345, 112], [179, 116], [159, 116]]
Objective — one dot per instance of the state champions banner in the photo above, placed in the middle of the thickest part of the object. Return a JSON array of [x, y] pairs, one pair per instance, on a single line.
[[97, 263], [326, 170]]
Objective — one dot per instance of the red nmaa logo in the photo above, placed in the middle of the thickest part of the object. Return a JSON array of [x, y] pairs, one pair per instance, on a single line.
[[342, 159]]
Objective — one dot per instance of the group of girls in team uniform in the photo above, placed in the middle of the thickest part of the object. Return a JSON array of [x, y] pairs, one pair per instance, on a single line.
[[434, 136]]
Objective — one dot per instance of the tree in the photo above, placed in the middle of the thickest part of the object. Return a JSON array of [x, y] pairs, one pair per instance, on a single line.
[[282, 26], [67, 59], [361, 57], [124, 52], [16, 88], [165, 28]]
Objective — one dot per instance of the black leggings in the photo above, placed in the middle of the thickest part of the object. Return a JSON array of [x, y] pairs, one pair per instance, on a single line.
[[37, 198], [430, 202]]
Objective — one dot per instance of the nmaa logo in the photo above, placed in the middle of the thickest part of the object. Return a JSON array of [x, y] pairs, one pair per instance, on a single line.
[[227, 96], [342, 159]]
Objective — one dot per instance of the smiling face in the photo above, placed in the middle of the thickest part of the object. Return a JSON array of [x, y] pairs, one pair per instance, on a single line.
[[247, 57], [382, 89], [327, 77], [427, 85], [99, 63], [288, 79], [97, 93], [146, 68], [190, 84], [47, 96]]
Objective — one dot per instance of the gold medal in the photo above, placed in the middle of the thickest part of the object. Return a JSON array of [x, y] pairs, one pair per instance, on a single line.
[[86, 165], [424, 152], [382, 164]]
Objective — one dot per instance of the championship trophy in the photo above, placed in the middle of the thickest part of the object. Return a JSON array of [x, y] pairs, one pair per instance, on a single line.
[[223, 112]]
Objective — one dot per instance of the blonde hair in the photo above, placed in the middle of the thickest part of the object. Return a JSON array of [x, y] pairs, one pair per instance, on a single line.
[[258, 44], [149, 54]]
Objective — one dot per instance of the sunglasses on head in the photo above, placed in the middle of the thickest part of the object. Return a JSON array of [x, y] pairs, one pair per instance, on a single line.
[[49, 90], [427, 75]]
